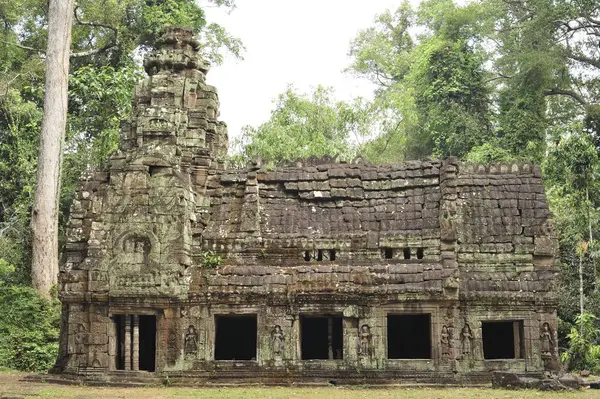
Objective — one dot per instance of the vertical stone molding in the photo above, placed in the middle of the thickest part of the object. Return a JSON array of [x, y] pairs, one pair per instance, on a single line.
[[135, 351]]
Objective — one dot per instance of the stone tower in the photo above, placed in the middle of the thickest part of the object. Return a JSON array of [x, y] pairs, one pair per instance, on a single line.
[[134, 226]]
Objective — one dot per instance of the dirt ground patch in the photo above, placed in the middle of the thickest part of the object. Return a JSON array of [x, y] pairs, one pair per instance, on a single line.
[[12, 386]]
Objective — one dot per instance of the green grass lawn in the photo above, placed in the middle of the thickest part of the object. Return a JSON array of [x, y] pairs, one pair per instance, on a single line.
[[11, 386]]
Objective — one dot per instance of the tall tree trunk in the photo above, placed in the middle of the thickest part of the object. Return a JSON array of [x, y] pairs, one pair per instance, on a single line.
[[44, 219], [590, 234], [581, 310]]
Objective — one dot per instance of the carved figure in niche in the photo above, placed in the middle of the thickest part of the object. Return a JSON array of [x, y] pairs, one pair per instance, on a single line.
[[80, 338], [278, 341], [128, 246], [191, 343], [138, 247], [445, 341], [547, 340], [366, 338], [466, 339]]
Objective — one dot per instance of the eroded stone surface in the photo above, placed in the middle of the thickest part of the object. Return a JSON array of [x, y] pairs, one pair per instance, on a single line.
[[436, 260]]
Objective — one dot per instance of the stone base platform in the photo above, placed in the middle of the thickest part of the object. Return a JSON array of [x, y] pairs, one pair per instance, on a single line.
[[296, 378]]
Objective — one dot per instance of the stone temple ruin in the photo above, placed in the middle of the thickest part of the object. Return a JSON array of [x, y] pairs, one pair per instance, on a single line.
[[428, 271]]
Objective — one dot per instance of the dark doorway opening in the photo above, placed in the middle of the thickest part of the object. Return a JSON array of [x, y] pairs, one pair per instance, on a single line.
[[120, 331], [409, 336], [502, 339], [321, 337], [125, 329], [147, 343], [235, 337]]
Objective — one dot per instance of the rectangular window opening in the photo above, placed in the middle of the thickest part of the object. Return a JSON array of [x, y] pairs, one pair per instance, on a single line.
[[321, 337], [406, 253], [235, 337], [502, 339], [409, 336], [307, 256], [319, 255], [332, 254], [420, 253], [387, 253]]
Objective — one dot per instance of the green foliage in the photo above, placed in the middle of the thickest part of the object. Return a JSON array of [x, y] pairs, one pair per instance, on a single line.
[[584, 345], [452, 98], [29, 327], [108, 37], [574, 163], [113, 34], [571, 172], [302, 126], [489, 152], [14, 252], [210, 259], [432, 96], [156, 14], [20, 119]]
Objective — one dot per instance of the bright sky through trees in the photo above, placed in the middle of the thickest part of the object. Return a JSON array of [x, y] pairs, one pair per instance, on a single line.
[[304, 43]]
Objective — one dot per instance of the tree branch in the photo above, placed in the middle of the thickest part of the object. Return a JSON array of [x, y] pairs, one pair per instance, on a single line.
[[35, 50], [94, 24], [110, 45], [584, 59], [560, 92], [87, 53]]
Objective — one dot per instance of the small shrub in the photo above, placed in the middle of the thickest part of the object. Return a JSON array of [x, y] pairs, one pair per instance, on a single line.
[[584, 349], [29, 329], [211, 260]]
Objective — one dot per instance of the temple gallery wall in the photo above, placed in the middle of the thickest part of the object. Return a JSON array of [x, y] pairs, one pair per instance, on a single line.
[[426, 271]]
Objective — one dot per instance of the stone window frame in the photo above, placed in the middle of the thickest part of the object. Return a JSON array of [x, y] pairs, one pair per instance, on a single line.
[[113, 337], [321, 310], [400, 250], [411, 308], [530, 326], [517, 338], [227, 310]]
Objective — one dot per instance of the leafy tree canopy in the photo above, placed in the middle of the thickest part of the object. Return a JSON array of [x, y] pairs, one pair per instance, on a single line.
[[302, 126]]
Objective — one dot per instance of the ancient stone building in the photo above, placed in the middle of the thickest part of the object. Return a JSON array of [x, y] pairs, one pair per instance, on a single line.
[[429, 271]]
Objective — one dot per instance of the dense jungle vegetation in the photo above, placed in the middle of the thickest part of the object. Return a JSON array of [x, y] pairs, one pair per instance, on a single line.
[[485, 81]]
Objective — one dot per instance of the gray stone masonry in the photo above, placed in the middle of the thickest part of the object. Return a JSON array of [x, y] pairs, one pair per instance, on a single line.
[[427, 271]]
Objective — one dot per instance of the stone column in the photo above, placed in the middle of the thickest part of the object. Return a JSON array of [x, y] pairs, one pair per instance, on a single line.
[[113, 344], [135, 362], [127, 342], [517, 339]]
